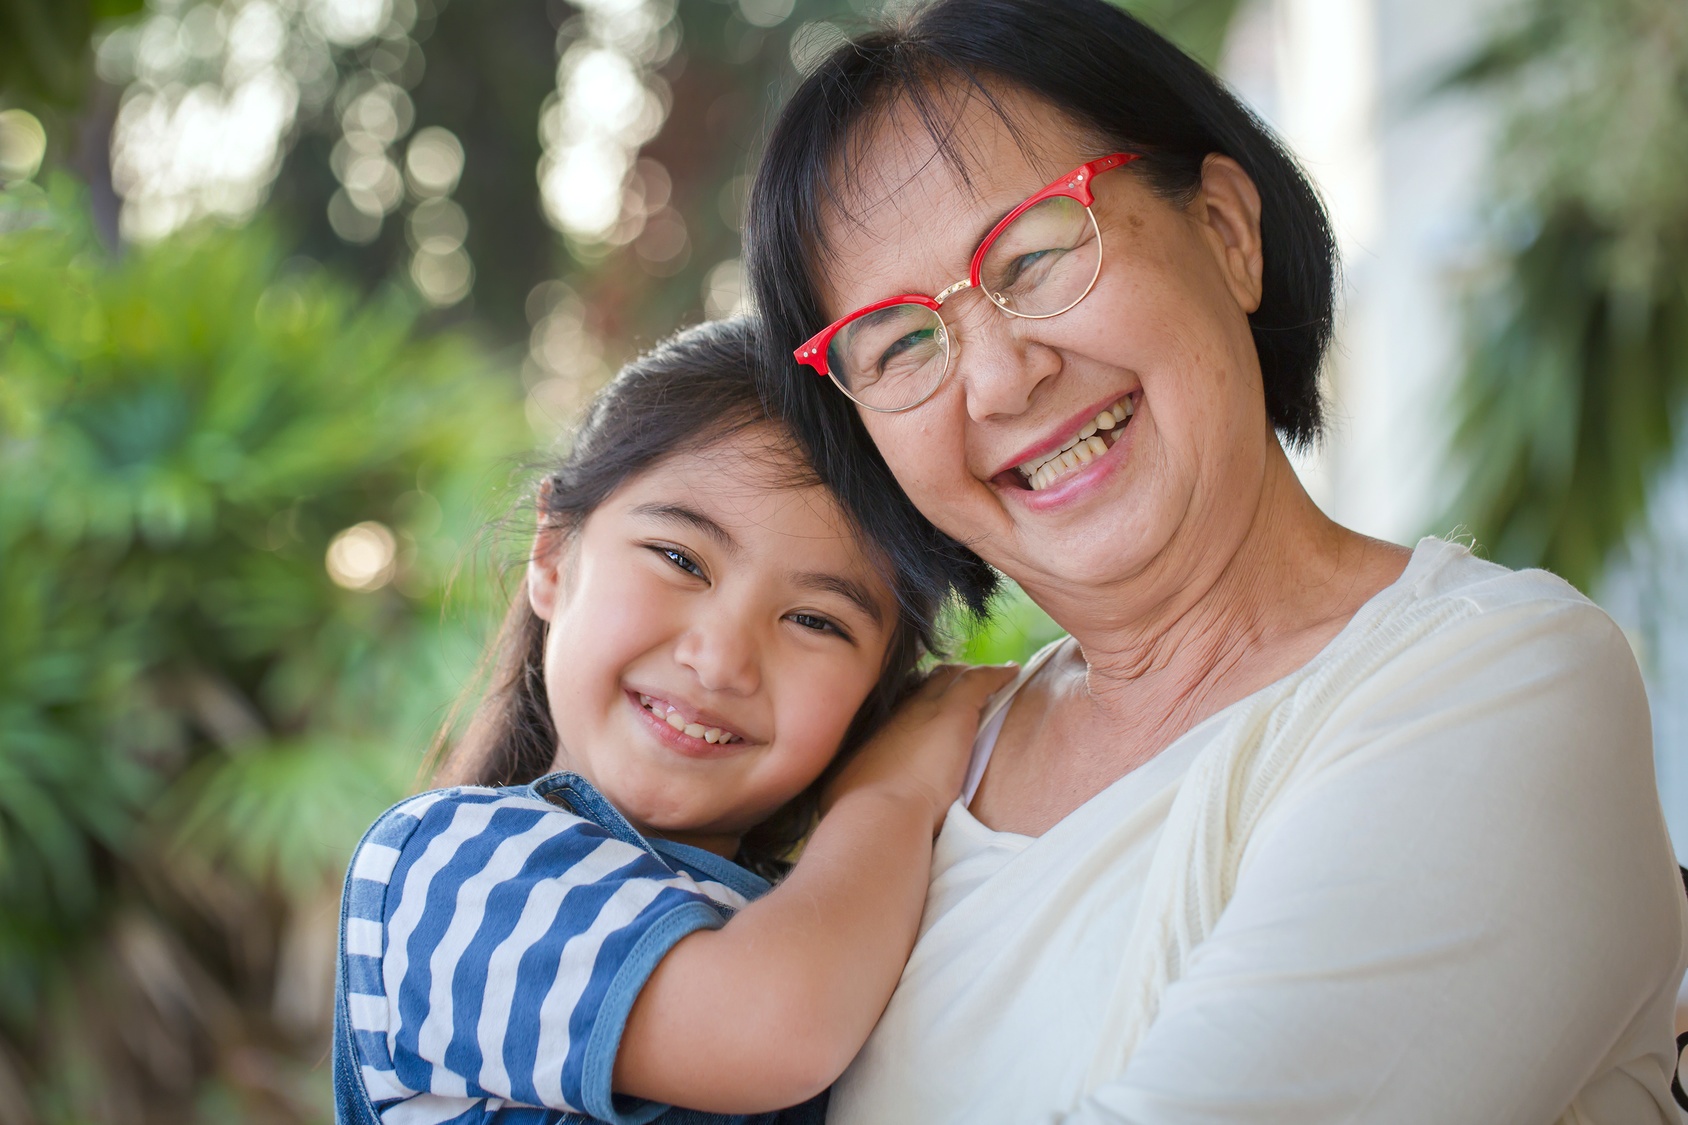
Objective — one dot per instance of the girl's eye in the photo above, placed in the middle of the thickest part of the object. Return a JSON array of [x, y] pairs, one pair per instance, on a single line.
[[681, 560], [818, 624]]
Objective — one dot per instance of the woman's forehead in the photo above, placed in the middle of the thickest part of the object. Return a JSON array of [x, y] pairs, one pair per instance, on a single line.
[[922, 173]]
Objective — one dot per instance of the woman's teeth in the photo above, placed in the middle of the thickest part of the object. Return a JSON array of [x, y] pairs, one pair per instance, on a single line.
[[670, 715], [1081, 449]]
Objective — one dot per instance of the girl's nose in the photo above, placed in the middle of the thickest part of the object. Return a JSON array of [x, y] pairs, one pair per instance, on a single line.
[[724, 656]]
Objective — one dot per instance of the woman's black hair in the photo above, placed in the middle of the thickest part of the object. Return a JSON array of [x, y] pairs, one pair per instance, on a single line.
[[1112, 76], [692, 391]]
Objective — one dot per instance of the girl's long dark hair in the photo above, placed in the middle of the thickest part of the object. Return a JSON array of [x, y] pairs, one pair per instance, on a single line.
[[696, 389]]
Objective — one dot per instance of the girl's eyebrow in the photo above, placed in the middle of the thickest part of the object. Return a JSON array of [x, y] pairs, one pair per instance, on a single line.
[[847, 588], [690, 517]]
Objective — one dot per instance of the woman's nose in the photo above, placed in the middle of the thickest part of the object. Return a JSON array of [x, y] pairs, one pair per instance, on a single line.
[[1001, 362], [723, 655]]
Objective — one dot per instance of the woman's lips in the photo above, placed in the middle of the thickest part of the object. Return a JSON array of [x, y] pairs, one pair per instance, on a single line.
[[1072, 483], [1090, 441]]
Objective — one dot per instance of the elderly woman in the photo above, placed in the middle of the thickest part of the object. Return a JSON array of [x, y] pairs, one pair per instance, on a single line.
[[1295, 826]]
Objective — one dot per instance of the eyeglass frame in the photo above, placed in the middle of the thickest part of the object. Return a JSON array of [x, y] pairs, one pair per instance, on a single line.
[[1073, 185]]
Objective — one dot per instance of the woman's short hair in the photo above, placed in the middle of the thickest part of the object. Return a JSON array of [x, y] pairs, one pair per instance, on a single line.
[[1115, 78]]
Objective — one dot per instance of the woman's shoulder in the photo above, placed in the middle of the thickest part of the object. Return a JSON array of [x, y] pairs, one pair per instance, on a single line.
[[1449, 570], [1476, 602], [1466, 653]]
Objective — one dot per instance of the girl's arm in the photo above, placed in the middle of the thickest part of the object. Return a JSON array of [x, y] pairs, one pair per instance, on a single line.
[[767, 1011]]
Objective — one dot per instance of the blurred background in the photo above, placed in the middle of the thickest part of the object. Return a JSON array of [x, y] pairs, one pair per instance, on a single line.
[[291, 289]]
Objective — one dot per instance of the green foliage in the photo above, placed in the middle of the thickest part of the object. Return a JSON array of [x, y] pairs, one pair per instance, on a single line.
[[1015, 629], [1577, 369], [195, 721], [44, 47], [1198, 26]]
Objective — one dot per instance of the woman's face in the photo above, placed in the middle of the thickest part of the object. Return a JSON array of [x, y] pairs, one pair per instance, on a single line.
[[1164, 330], [712, 632]]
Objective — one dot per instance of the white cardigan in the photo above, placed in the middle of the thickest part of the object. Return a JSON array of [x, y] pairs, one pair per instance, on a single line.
[[1422, 880]]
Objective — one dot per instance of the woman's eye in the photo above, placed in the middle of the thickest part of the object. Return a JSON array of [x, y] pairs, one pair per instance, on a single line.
[[681, 560], [1024, 264], [913, 339], [912, 350]]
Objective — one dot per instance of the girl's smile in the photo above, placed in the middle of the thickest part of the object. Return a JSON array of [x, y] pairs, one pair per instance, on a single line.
[[689, 730]]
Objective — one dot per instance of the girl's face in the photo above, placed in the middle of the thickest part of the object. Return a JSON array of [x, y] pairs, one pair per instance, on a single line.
[[1164, 331], [712, 633]]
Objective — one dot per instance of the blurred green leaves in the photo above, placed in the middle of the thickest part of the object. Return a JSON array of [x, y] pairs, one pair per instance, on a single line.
[[44, 47], [192, 712], [1198, 26], [1576, 376]]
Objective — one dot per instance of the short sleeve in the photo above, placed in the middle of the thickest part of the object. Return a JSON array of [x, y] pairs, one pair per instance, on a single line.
[[1468, 913], [497, 946]]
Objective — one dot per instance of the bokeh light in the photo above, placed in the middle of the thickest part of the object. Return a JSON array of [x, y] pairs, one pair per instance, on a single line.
[[609, 101], [813, 42], [444, 277], [766, 13], [362, 557], [434, 162], [723, 289], [23, 144]]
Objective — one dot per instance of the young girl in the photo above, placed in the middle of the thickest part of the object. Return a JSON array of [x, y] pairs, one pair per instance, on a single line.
[[700, 632]]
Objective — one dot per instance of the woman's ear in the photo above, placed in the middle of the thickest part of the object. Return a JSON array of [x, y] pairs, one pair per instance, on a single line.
[[545, 569], [1228, 205]]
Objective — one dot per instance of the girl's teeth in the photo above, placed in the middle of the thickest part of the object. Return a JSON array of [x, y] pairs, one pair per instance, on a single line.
[[712, 735]]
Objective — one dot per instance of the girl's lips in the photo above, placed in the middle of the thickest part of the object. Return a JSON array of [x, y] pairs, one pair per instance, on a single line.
[[679, 741]]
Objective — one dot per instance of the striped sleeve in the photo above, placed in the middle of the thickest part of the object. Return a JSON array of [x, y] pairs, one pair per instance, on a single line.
[[495, 944]]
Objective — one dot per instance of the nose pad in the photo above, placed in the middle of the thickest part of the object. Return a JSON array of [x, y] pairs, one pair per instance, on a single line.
[[1001, 363], [723, 656]]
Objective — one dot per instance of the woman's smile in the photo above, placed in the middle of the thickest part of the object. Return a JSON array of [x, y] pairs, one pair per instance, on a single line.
[[1058, 462]]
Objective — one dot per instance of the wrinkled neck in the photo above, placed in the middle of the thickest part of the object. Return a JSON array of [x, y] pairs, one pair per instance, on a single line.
[[1178, 629]]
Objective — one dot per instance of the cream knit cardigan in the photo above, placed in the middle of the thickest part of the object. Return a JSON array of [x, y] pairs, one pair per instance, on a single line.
[[967, 1038]]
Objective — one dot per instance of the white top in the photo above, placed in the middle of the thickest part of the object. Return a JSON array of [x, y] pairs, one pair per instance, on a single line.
[[1422, 879]]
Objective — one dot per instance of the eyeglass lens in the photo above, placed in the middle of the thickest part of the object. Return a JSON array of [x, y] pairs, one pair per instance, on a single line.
[[1041, 264]]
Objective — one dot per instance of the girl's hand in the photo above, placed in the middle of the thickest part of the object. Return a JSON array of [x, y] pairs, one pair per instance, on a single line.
[[921, 753]]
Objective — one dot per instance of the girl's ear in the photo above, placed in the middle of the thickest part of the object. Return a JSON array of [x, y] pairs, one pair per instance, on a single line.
[[545, 569]]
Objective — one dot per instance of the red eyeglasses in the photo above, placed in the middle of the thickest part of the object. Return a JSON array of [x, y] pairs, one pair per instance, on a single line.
[[1038, 262]]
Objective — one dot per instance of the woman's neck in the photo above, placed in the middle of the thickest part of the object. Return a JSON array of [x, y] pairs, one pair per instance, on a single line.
[[1197, 629]]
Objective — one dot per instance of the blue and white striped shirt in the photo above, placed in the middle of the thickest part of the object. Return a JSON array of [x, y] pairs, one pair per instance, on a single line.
[[492, 944]]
